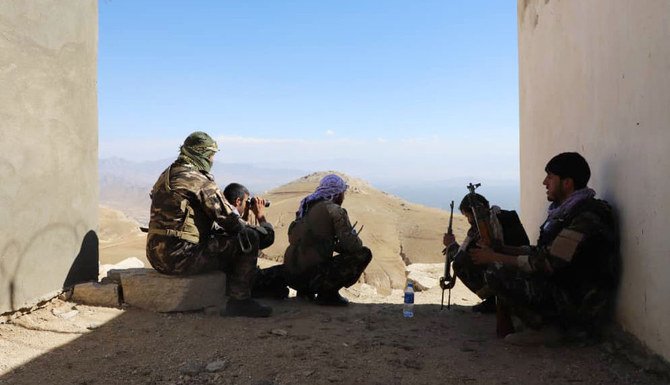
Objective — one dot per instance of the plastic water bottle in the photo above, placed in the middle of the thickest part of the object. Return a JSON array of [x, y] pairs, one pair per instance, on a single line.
[[408, 306]]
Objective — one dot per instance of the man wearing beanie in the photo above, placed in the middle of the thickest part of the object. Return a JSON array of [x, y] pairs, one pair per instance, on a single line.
[[564, 286], [193, 229], [321, 228]]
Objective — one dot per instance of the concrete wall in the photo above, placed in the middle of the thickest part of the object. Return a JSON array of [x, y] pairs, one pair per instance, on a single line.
[[595, 78], [48, 147]]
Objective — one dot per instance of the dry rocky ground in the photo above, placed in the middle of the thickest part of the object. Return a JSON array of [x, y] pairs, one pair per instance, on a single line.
[[368, 342]]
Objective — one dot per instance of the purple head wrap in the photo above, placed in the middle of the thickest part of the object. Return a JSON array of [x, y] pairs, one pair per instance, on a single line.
[[330, 186]]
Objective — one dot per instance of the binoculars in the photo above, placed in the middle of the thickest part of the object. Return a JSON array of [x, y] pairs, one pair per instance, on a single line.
[[251, 202]]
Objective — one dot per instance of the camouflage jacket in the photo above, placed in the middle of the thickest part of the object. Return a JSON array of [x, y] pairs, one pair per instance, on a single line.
[[185, 206], [314, 238], [578, 251]]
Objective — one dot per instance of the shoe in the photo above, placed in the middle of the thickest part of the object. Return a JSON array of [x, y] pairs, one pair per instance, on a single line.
[[245, 308], [547, 336], [487, 306], [331, 299]]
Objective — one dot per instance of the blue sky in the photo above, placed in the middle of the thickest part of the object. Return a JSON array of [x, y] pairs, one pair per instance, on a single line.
[[422, 89]]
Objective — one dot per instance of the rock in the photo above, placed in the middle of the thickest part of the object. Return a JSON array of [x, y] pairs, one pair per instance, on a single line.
[[128, 263], [66, 314], [65, 295], [95, 294], [114, 275], [151, 290], [191, 368], [279, 332], [216, 366], [425, 275]]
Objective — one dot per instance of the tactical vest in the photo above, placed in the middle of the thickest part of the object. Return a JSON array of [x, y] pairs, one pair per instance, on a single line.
[[171, 212]]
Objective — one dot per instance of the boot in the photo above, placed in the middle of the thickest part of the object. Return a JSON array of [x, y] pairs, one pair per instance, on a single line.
[[331, 299], [245, 308]]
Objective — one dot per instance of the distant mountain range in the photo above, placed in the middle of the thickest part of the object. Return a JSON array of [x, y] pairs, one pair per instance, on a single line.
[[125, 185]]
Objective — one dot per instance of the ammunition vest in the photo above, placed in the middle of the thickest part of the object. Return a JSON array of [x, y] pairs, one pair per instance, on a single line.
[[171, 212]]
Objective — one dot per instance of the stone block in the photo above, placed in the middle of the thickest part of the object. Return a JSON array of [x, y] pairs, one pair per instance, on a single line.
[[114, 275], [96, 294], [151, 290]]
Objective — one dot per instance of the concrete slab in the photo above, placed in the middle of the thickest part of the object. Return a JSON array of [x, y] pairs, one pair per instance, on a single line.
[[96, 294], [151, 290]]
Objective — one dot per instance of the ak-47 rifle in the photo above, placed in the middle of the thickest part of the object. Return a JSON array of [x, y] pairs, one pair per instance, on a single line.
[[482, 219], [481, 216], [449, 279]]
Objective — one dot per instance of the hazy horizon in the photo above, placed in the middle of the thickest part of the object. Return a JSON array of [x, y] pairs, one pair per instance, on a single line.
[[259, 179]]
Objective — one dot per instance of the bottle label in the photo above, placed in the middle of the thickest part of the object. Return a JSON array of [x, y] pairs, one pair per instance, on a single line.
[[409, 297]]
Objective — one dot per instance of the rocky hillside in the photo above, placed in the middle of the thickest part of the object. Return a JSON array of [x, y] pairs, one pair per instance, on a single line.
[[398, 232]]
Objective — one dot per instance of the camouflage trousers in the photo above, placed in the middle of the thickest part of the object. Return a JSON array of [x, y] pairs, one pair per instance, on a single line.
[[342, 270], [471, 275], [537, 301], [219, 252]]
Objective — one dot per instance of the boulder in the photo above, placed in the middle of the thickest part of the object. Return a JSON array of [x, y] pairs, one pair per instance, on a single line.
[[96, 294], [425, 275], [151, 290]]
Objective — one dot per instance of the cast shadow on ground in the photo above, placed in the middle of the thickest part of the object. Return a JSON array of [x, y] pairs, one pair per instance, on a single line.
[[304, 343]]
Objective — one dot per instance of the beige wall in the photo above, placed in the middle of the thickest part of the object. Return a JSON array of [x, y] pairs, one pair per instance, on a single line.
[[48, 146], [595, 78]]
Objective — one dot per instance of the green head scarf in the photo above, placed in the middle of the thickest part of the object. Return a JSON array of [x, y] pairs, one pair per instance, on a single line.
[[197, 149]]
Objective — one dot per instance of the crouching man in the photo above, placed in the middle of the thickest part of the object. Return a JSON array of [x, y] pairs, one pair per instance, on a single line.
[[504, 230], [322, 228], [566, 282], [193, 229]]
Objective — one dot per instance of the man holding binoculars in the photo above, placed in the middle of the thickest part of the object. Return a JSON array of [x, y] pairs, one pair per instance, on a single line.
[[193, 229]]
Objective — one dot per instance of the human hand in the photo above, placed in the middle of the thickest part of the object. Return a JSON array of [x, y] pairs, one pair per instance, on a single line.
[[448, 239], [483, 255], [258, 207]]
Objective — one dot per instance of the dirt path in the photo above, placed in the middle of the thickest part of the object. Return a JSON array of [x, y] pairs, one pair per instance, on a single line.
[[368, 342]]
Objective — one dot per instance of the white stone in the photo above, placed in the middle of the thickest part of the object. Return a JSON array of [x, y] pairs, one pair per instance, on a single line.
[[128, 263], [425, 275], [216, 366], [96, 294], [67, 314], [151, 290]]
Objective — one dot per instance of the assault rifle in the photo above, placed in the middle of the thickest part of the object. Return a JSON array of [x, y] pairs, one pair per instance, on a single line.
[[482, 219], [449, 279]]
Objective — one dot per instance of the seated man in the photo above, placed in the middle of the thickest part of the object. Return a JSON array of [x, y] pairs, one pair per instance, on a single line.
[[567, 281], [239, 197], [322, 227], [503, 228], [193, 229]]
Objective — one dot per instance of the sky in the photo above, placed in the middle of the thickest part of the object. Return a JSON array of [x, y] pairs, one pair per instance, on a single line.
[[385, 90]]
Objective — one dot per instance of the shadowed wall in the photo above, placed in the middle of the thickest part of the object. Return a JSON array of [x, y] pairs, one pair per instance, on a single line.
[[48, 147], [595, 78]]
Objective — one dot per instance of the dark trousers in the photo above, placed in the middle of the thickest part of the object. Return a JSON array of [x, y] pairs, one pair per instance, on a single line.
[[342, 270]]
